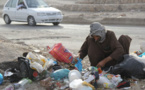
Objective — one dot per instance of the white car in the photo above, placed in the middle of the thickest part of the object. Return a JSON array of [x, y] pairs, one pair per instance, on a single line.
[[31, 11]]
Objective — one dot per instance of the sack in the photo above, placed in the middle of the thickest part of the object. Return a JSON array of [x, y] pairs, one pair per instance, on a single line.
[[26, 71], [130, 67], [60, 53]]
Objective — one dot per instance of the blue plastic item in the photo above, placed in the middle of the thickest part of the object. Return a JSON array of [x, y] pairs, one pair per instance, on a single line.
[[78, 65], [142, 54], [60, 74], [1, 78], [53, 61]]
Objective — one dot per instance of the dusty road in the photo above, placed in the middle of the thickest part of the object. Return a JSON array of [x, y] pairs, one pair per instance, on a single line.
[[72, 36]]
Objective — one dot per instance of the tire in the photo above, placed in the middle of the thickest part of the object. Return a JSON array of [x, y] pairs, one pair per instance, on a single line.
[[56, 23], [31, 21], [7, 19]]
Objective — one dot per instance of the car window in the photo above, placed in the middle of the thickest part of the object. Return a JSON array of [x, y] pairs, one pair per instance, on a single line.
[[13, 3], [36, 3], [8, 3], [20, 1]]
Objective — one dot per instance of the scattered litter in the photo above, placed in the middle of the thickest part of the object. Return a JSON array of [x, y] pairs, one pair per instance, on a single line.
[[62, 73]]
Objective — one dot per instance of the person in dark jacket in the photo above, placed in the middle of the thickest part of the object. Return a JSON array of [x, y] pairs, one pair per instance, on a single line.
[[103, 48]]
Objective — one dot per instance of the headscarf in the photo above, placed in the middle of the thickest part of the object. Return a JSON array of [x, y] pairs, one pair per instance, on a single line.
[[99, 30]]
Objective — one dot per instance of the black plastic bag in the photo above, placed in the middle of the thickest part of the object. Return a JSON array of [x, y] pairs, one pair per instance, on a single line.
[[24, 65], [131, 66], [15, 77]]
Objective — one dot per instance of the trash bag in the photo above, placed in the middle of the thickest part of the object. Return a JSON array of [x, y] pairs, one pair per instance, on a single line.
[[60, 74], [130, 67], [13, 75], [26, 71]]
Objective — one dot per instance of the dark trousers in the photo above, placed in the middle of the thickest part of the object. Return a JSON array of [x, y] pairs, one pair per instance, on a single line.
[[125, 41]]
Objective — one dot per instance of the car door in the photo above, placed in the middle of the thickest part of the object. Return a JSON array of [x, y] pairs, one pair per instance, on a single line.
[[21, 13], [10, 9]]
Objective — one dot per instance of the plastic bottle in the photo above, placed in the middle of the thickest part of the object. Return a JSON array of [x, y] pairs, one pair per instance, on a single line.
[[1, 78], [24, 82]]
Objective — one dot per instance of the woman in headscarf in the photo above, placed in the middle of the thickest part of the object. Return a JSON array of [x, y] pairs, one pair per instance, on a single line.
[[103, 48]]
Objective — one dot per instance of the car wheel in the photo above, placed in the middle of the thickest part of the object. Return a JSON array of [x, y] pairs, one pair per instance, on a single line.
[[31, 21], [55, 23], [7, 19]]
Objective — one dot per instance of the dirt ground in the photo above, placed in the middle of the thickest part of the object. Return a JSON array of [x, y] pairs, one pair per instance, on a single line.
[[9, 51]]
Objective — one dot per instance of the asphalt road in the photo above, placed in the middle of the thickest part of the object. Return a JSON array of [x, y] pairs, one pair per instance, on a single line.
[[70, 35]]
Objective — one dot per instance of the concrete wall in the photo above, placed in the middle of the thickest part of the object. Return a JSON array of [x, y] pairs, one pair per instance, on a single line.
[[101, 7], [109, 1]]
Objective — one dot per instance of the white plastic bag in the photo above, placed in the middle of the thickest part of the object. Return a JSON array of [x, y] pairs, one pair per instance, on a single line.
[[36, 66], [77, 85], [47, 64], [115, 80], [104, 82], [74, 74], [34, 58]]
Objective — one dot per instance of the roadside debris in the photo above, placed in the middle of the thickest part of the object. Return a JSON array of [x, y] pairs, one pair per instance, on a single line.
[[60, 72]]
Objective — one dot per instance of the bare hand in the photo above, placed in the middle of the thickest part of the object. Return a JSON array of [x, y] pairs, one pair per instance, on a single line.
[[104, 61], [75, 58], [101, 64]]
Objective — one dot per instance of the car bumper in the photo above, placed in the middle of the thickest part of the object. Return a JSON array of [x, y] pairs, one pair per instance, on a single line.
[[46, 19]]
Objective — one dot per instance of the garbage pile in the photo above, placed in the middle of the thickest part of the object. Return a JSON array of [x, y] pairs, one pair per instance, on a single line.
[[61, 73]]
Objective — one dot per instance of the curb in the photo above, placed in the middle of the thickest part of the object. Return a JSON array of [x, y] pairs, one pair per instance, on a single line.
[[75, 20], [124, 21], [116, 21]]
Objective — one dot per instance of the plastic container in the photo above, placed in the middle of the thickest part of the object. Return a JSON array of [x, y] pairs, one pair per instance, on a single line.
[[74, 74], [60, 53], [1, 78]]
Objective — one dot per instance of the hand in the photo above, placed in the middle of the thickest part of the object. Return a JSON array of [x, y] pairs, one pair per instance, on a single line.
[[75, 58], [101, 64], [104, 61]]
